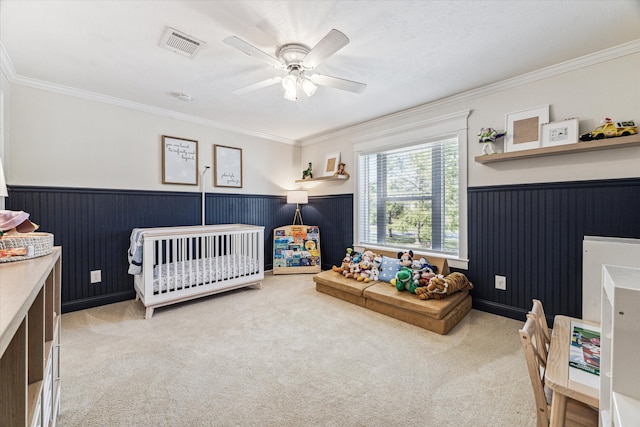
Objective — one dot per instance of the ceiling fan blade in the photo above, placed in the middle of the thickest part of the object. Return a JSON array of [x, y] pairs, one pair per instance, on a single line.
[[337, 83], [257, 86], [330, 44], [251, 50]]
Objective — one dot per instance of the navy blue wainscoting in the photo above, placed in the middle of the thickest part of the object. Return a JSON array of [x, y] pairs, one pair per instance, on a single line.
[[334, 216], [533, 235], [93, 227]]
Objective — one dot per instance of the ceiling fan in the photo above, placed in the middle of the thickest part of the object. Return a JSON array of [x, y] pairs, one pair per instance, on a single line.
[[297, 59]]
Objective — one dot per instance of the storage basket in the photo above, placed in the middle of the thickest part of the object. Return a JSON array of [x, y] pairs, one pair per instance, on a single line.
[[37, 244]]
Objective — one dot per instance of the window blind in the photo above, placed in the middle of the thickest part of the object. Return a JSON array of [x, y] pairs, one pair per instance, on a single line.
[[409, 197]]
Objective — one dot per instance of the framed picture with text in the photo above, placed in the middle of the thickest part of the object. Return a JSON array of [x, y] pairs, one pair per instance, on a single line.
[[179, 161], [227, 163], [560, 133]]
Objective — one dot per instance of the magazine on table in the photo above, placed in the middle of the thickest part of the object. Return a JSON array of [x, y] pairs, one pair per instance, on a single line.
[[584, 356]]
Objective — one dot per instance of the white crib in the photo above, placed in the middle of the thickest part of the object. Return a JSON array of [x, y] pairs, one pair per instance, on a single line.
[[183, 263]]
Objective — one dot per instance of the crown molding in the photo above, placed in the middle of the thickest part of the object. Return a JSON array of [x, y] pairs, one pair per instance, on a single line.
[[359, 129], [368, 128], [6, 65], [10, 73]]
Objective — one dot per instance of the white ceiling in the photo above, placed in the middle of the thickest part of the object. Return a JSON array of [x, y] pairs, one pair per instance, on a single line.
[[408, 52]]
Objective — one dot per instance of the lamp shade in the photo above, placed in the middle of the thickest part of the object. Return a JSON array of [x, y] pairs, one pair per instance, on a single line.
[[298, 196], [3, 184]]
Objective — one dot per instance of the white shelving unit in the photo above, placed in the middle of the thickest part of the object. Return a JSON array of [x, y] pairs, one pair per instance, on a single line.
[[620, 346]]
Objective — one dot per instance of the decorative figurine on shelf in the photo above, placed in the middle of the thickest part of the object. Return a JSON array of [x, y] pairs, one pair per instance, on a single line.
[[307, 173], [611, 129], [341, 170], [488, 137]]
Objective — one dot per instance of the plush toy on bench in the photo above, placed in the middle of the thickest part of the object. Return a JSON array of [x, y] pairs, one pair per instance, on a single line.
[[404, 280], [345, 262], [404, 277], [441, 287]]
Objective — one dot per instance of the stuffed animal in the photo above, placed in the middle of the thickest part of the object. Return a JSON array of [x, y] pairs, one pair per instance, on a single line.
[[406, 258], [365, 268], [403, 281], [366, 265], [375, 268], [441, 287], [345, 262], [344, 266], [341, 170], [354, 270]]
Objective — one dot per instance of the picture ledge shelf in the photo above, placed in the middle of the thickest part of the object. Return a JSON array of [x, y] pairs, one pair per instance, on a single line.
[[602, 144], [325, 178]]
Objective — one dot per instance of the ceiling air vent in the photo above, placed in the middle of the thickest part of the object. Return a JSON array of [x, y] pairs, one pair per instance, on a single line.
[[181, 43]]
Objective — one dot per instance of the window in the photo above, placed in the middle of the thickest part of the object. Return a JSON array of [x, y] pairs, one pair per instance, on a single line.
[[409, 197], [412, 187]]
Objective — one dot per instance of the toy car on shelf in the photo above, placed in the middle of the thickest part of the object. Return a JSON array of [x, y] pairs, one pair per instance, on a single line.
[[610, 129]]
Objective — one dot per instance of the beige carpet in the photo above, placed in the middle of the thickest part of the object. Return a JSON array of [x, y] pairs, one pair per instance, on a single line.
[[287, 355]]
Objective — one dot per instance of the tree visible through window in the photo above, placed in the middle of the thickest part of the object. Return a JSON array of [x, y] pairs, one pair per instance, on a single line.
[[409, 197]]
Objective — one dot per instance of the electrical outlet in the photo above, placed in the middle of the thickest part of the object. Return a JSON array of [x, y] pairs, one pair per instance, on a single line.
[[501, 283], [96, 276]]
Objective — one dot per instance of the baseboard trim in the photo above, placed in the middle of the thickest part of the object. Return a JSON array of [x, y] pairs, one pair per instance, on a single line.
[[500, 309], [97, 301]]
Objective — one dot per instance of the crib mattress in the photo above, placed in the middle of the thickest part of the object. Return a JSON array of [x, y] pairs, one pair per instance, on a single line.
[[184, 274]]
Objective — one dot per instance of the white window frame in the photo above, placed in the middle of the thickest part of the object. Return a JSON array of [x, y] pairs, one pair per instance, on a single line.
[[423, 131]]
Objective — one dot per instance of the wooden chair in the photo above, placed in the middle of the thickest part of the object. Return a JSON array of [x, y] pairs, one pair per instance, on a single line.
[[538, 310], [535, 343]]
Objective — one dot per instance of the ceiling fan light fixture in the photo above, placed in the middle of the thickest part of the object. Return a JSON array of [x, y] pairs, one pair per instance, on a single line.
[[290, 85], [291, 94], [289, 82], [309, 87]]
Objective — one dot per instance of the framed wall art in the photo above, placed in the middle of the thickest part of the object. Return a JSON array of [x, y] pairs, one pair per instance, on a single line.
[[179, 161], [331, 164], [524, 129], [227, 163], [560, 133]]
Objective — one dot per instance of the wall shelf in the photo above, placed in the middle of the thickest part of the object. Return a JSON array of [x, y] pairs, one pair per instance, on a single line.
[[603, 144], [325, 178]]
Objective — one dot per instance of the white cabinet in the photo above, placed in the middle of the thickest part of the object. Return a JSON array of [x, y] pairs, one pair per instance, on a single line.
[[30, 341], [620, 347]]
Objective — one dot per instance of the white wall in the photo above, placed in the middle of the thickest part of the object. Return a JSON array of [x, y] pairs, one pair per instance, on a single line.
[[60, 140], [64, 141], [604, 89]]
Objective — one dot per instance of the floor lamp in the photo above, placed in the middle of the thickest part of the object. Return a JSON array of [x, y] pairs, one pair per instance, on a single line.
[[203, 195], [298, 197]]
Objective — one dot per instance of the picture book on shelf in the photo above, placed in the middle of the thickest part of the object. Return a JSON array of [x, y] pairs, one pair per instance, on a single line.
[[585, 348]]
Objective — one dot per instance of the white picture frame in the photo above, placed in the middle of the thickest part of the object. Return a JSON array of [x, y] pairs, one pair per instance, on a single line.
[[331, 164], [227, 163], [560, 133], [524, 129]]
